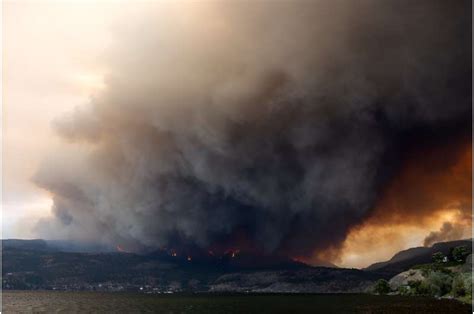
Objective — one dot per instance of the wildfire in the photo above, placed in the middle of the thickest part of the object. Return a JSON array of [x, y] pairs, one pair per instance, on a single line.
[[120, 249], [232, 253]]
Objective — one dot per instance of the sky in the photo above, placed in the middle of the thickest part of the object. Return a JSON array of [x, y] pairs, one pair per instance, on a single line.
[[67, 107], [51, 63]]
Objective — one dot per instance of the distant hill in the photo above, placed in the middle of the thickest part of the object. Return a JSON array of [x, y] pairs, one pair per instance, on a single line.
[[36, 244], [56, 246], [39, 264], [403, 260]]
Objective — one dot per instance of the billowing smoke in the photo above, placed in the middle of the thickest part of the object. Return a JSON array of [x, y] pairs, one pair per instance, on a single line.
[[448, 231], [273, 125]]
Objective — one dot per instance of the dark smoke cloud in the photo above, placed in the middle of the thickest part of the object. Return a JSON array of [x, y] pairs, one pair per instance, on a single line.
[[273, 120], [434, 176]]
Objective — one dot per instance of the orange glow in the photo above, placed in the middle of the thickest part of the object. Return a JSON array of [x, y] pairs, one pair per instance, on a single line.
[[438, 180], [232, 252], [373, 242], [120, 249], [432, 189]]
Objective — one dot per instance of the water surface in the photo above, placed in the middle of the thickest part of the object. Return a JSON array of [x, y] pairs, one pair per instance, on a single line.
[[96, 302]]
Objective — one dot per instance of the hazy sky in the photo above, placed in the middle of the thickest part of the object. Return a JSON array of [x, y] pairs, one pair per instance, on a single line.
[[53, 62]]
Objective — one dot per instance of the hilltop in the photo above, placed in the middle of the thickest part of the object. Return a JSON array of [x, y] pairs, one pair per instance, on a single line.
[[40, 264], [406, 259]]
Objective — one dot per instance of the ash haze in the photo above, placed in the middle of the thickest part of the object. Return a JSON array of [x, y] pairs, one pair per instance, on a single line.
[[297, 128]]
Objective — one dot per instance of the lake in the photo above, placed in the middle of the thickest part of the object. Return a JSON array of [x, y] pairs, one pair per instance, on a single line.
[[97, 302]]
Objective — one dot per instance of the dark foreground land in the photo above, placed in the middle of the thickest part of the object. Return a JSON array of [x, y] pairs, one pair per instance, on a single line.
[[96, 302]]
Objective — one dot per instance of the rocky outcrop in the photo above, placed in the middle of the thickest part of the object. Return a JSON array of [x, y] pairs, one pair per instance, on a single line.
[[405, 277], [467, 267]]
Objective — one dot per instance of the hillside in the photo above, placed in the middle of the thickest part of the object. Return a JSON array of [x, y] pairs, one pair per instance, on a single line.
[[406, 259], [311, 280], [440, 279], [39, 264]]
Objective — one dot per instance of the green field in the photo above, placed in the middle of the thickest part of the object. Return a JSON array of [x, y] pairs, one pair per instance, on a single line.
[[94, 302]]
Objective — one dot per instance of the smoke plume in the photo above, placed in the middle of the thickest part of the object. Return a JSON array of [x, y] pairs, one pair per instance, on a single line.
[[447, 232], [274, 126]]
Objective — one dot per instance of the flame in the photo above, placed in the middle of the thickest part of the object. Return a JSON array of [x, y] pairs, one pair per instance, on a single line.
[[233, 253], [120, 249]]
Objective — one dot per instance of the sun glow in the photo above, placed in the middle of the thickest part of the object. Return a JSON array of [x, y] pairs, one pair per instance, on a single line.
[[90, 82]]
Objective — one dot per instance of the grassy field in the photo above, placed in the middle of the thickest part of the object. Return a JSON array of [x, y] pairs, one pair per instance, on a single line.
[[92, 302]]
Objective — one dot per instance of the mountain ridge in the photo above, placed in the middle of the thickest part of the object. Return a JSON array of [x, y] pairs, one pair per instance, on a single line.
[[38, 264], [418, 255]]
